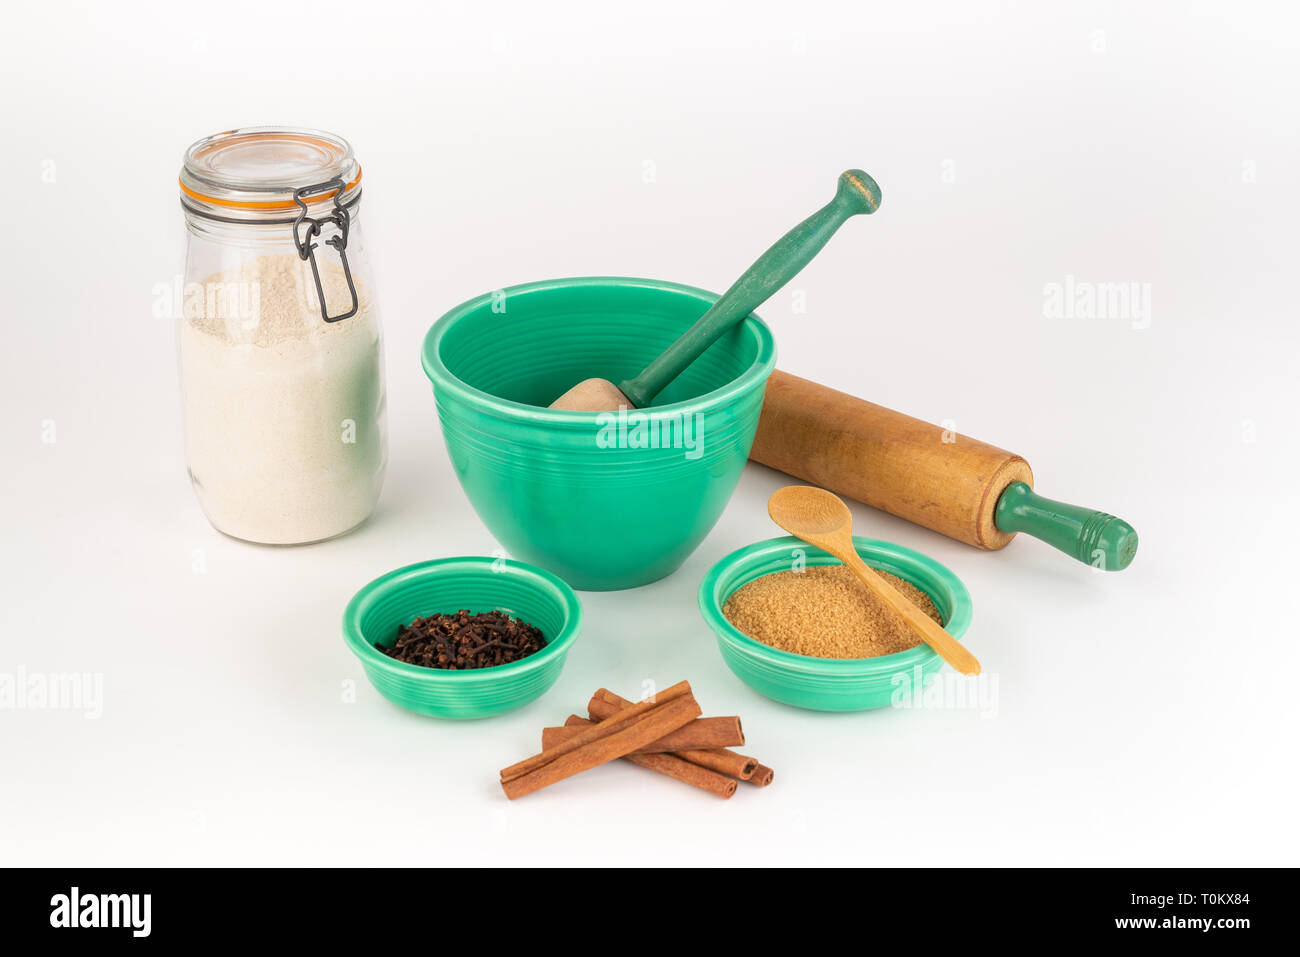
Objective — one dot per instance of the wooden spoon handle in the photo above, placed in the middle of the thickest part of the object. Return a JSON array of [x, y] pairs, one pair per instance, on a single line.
[[945, 645]]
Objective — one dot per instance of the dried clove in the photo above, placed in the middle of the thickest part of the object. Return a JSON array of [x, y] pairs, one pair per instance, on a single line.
[[463, 641]]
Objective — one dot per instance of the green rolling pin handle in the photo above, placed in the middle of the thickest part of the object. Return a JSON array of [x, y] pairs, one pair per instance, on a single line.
[[855, 193], [1094, 538]]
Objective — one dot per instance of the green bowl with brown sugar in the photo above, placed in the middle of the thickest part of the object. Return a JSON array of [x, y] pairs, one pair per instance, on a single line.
[[830, 684]]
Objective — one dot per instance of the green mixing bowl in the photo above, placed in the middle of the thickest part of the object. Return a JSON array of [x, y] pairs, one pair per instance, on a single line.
[[830, 684], [447, 585], [604, 500]]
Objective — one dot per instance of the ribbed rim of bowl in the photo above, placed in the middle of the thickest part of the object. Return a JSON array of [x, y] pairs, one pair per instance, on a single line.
[[386, 584], [442, 378], [897, 558]]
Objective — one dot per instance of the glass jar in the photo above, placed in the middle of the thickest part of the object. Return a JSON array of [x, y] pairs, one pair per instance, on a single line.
[[281, 355]]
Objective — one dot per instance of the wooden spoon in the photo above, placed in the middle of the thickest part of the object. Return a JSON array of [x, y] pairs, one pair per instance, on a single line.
[[822, 519], [855, 193]]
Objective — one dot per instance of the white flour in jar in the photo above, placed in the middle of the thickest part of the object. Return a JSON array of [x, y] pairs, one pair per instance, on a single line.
[[284, 412]]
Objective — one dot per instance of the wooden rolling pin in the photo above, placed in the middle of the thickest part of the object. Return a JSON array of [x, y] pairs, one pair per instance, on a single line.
[[968, 490]]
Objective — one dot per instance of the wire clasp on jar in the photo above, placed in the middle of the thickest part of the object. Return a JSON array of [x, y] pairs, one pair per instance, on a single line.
[[307, 248]]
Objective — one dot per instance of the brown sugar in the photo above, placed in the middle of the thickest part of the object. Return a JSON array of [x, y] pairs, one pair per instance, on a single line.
[[825, 612]]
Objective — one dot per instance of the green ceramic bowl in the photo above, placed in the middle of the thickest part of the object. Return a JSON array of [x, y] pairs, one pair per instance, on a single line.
[[603, 500], [448, 585], [830, 684]]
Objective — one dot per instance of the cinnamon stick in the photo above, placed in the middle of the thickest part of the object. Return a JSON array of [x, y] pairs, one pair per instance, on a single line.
[[724, 761], [629, 712], [604, 704], [762, 776], [718, 760], [628, 729], [702, 734], [666, 764]]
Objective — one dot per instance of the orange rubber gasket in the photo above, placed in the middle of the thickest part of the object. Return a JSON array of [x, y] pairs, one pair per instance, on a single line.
[[271, 204]]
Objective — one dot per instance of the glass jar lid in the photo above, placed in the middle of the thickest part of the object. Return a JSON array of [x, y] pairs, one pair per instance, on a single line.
[[253, 174], [306, 179]]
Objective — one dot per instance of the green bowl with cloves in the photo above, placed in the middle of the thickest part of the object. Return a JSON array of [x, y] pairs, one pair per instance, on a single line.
[[381, 609]]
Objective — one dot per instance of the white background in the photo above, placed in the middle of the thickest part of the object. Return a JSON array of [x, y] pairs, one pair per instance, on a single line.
[[1144, 717]]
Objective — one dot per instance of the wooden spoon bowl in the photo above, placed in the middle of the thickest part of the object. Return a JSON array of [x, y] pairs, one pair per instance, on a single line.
[[822, 519]]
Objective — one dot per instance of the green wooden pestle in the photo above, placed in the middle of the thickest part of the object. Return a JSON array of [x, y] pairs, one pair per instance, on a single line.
[[856, 193]]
